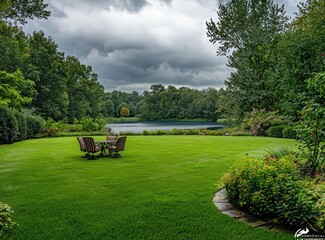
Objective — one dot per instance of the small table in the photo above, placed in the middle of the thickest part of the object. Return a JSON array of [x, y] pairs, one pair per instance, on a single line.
[[103, 147]]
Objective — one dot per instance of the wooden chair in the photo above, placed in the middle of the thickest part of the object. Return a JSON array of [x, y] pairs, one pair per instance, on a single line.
[[115, 149], [82, 147], [90, 147], [111, 137]]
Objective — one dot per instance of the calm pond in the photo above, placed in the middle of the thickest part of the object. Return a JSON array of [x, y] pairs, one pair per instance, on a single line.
[[138, 127]]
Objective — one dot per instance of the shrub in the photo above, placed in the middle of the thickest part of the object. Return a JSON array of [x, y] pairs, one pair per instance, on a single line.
[[175, 131], [280, 152], [258, 121], [88, 124], [6, 222], [298, 206], [50, 132], [73, 128], [268, 188], [191, 131], [159, 132], [289, 132], [319, 190], [131, 133], [8, 125], [218, 132], [276, 131], [21, 126], [34, 125], [34, 122], [311, 136], [59, 126], [152, 132], [101, 123]]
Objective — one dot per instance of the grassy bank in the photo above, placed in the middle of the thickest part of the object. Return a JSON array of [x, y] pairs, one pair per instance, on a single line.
[[135, 119], [122, 119], [161, 188]]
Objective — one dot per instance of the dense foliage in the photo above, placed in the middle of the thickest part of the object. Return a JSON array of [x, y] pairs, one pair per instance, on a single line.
[[18, 126], [270, 189], [247, 31], [34, 74], [162, 102], [276, 131], [6, 222], [259, 121], [18, 11], [311, 136], [182, 103], [272, 57], [8, 126]]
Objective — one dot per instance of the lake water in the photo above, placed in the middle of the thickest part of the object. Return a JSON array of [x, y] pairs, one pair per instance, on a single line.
[[138, 127]]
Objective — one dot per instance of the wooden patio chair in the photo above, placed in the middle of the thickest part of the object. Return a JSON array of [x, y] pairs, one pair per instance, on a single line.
[[90, 147], [115, 149], [111, 137], [82, 147]]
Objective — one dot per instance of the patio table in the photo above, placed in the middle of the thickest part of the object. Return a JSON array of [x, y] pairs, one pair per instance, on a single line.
[[103, 147]]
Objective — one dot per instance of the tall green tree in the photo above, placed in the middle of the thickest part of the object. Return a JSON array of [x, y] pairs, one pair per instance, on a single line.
[[181, 103], [10, 57], [109, 109], [15, 91], [18, 11], [247, 31], [151, 106], [169, 103], [46, 69], [117, 97], [94, 93], [81, 82], [299, 56], [14, 48]]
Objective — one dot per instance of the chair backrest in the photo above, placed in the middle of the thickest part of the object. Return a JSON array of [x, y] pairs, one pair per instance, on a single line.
[[81, 144], [111, 137], [120, 143], [89, 144]]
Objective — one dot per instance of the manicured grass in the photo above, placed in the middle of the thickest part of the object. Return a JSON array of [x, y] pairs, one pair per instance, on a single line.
[[161, 188]]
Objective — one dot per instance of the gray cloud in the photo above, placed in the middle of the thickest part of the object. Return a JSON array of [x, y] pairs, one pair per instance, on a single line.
[[134, 44], [129, 5], [57, 13]]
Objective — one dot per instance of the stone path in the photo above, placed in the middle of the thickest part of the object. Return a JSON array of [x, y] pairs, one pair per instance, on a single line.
[[221, 201]]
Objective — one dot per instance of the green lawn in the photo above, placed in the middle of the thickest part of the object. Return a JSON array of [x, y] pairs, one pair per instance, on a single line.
[[161, 188]]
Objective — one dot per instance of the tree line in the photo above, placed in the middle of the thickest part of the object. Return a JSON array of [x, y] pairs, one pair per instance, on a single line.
[[169, 102], [35, 75]]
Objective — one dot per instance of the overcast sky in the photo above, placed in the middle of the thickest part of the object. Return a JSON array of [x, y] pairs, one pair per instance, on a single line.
[[132, 44]]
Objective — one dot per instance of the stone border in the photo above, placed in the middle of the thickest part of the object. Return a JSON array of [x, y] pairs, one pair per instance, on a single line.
[[221, 201]]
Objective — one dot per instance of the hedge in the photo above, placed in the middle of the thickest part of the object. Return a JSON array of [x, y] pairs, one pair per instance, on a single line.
[[276, 131], [289, 132], [8, 125]]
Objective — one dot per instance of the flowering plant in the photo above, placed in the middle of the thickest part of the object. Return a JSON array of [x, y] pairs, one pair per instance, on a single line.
[[51, 132], [259, 120], [6, 223]]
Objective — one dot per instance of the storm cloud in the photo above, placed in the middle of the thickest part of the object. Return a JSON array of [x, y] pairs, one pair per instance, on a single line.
[[134, 44]]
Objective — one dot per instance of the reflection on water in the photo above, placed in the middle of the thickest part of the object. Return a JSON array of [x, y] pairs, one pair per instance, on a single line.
[[138, 127]]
